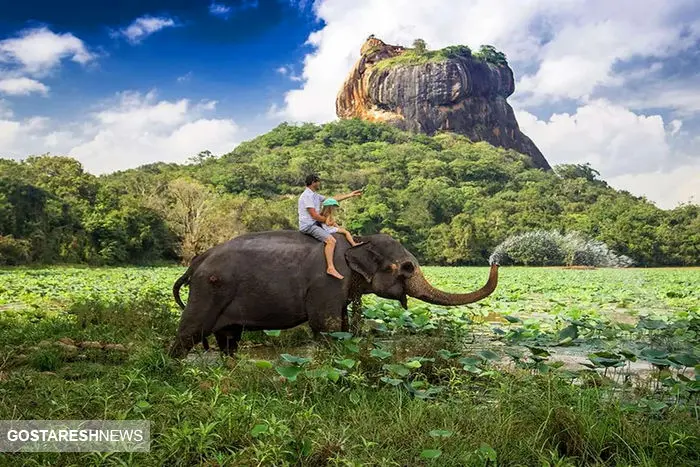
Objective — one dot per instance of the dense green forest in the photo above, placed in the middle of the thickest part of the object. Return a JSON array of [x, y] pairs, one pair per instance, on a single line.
[[450, 201]]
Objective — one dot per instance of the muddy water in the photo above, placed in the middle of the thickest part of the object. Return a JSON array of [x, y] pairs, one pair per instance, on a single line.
[[572, 357]]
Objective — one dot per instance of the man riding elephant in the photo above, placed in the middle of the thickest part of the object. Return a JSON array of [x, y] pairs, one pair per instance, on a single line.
[[278, 280], [310, 219]]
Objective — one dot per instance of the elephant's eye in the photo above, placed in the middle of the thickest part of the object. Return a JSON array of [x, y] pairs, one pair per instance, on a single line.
[[408, 267]]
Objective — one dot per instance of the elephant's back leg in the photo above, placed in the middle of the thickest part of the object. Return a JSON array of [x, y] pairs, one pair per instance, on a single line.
[[209, 294]]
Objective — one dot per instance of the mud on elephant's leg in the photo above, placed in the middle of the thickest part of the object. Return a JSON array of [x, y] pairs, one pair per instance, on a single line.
[[325, 321]]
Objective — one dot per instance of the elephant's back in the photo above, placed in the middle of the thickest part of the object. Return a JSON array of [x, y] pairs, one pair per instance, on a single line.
[[275, 242], [277, 251]]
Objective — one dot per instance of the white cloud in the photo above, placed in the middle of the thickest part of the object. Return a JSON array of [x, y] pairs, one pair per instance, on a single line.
[[585, 48], [144, 26], [572, 45], [5, 110], [131, 130], [224, 11], [219, 9], [676, 126], [184, 78], [679, 95], [207, 105], [38, 50], [288, 71], [613, 139], [631, 151], [666, 189], [22, 86], [26, 133]]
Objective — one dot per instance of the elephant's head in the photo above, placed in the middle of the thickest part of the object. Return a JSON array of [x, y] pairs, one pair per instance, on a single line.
[[391, 271]]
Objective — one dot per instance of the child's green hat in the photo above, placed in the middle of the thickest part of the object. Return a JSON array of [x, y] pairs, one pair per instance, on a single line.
[[330, 202]]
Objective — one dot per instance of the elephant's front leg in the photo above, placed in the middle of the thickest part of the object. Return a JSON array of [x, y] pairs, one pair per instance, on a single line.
[[345, 325], [326, 313], [227, 339]]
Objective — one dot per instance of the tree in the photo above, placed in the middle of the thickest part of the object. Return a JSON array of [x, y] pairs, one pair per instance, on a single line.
[[201, 157], [420, 46], [489, 54]]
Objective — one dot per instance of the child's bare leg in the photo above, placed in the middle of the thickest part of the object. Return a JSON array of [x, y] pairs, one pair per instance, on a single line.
[[348, 236]]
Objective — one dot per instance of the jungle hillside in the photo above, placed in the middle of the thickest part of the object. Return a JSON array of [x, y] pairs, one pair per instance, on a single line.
[[448, 200]]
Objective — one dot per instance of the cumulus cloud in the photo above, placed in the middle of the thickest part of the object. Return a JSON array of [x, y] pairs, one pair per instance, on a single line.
[[38, 50], [143, 27], [20, 134], [22, 86], [631, 151], [612, 138], [582, 54], [681, 96], [130, 130], [666, 189]]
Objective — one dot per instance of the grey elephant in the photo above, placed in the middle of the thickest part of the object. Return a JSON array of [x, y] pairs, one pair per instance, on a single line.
[[278, 280]]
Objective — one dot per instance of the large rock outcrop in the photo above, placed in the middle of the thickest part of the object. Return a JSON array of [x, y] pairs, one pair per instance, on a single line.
[[460, 93]]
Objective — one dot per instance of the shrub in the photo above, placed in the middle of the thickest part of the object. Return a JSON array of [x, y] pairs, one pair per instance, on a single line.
[[14, 251], [543, 248]]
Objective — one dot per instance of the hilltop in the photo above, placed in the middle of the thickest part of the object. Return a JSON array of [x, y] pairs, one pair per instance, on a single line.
[[428, 91]]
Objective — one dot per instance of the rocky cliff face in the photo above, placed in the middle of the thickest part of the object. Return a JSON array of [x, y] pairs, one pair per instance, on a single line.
[[460, 94]]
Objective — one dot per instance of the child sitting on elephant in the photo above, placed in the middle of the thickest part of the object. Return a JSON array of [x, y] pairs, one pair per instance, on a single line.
[[328, 209]]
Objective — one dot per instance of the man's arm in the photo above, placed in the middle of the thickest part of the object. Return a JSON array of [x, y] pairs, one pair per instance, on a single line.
[[348, 195], [315, 215]]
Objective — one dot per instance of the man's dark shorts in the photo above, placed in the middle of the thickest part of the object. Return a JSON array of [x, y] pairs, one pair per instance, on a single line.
[[316, 231]]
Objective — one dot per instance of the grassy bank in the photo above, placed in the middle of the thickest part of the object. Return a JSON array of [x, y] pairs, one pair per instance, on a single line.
[[477, 385]]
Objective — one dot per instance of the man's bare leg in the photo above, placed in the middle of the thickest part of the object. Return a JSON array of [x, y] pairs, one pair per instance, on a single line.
[[328, 250]]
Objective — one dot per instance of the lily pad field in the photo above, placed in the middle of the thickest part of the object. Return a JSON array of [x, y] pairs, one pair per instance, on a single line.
[[557, 367]]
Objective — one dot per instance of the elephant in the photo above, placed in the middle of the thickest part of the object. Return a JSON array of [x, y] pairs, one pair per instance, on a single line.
[[277, 280]]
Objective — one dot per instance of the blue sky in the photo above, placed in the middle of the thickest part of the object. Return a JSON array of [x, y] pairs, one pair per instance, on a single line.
[[614, 84], [226, 51]]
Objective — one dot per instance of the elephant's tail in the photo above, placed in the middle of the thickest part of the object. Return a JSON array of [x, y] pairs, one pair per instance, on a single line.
[[183, 280]]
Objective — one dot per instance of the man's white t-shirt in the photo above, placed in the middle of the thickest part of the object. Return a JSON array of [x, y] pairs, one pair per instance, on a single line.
[[309, 199]]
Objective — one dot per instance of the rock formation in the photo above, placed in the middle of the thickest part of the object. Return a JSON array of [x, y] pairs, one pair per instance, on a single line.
[[456, 92]]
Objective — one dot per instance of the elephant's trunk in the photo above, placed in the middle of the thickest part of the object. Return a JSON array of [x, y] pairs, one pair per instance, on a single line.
[[418, 287]]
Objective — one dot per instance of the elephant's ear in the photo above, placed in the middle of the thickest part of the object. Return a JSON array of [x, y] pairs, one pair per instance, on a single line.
[[363, 259]]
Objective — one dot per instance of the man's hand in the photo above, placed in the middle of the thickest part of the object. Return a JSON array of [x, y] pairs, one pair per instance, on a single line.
[[348, 195]]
